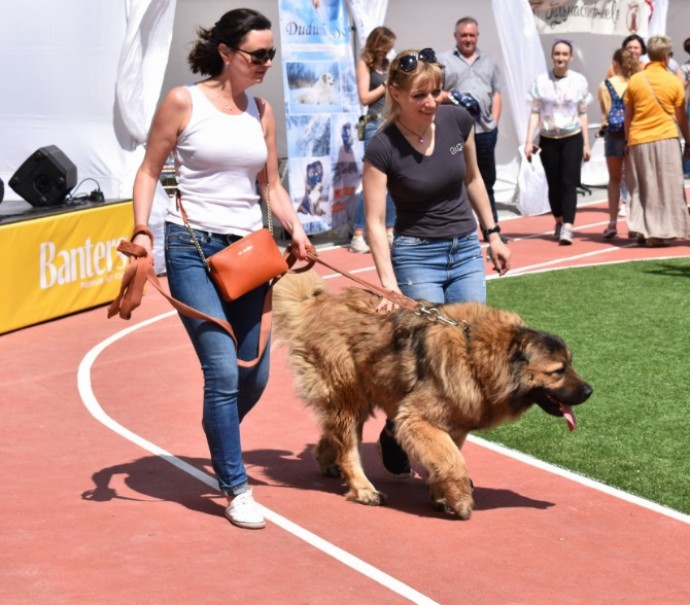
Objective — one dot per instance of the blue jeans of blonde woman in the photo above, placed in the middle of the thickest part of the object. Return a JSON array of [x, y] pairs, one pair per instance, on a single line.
[[440, 270], [229, 391], [359, 219]]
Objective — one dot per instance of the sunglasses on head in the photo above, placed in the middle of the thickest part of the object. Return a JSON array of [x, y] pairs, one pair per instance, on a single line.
[[408, 63], [260, 56]]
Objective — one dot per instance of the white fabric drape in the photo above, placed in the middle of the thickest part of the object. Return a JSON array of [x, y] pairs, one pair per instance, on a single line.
[[140, 74], [142, 62], [366, 15], [522, 51], [517, 30]]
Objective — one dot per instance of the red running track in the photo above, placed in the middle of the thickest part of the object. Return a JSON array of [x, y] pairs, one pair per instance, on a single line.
[[108, 497]]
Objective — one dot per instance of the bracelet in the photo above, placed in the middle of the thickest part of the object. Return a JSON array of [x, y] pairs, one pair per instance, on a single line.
[[142, 229]]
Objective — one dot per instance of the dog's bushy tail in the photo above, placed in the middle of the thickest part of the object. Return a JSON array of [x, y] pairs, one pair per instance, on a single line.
[[291, 295]]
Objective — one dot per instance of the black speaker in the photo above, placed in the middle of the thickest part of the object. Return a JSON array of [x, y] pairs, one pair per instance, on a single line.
[[45, 178]]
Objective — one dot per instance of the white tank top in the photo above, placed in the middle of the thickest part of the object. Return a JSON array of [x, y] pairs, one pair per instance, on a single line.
[[217, 158]]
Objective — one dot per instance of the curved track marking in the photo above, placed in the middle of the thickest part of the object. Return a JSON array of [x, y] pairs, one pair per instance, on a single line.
[[340, 555]]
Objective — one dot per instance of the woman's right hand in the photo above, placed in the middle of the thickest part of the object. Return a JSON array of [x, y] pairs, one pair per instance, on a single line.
[[529, 147]]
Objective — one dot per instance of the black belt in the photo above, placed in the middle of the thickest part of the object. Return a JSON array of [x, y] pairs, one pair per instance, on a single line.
[[227, 238]]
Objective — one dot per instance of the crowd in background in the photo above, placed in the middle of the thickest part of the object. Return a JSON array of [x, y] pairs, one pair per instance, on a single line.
[[558, 129]]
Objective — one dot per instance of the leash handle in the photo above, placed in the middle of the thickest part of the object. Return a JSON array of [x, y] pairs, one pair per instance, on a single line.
[[140, 270]]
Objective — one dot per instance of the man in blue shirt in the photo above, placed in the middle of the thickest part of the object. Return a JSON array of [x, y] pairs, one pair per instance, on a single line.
[[474, 81]]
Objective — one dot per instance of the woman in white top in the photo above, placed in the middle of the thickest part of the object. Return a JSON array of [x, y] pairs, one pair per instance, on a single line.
[[223, 141], [559, 100]]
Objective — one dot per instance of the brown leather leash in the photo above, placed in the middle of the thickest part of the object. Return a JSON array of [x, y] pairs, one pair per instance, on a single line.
[[140, 270], [399, 299]]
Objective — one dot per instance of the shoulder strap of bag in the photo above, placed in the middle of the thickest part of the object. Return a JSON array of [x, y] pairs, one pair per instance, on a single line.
[[140, 270], [612, 91], [666, 113]]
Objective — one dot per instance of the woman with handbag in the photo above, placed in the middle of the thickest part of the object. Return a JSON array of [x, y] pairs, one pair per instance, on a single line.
[[223, 141], [658, 211]]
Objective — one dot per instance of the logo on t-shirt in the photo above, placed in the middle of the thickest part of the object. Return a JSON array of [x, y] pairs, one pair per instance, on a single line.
[[456, 148]]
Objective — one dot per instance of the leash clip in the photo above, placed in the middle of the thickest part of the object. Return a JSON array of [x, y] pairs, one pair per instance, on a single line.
[[434, 314]]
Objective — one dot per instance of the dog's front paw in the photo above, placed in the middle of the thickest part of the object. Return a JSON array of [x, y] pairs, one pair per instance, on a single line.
[[370, 497], [455, 499]]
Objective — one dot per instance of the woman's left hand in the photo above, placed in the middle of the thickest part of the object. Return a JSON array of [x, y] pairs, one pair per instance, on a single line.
[[499, 254]]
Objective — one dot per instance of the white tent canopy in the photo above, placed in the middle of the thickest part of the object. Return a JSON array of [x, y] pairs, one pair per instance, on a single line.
[[86, 76]]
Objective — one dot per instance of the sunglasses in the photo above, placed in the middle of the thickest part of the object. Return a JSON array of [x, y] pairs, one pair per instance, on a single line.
[[260, 56], [408, 63]]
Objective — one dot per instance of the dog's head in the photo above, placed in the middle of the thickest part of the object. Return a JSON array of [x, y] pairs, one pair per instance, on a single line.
[[543, 363], [326, 80]]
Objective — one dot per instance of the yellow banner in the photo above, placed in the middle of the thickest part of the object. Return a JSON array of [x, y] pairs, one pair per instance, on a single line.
[[56, 265]]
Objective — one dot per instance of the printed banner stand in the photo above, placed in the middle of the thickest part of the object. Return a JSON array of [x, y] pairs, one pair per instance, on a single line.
[[321, 109]]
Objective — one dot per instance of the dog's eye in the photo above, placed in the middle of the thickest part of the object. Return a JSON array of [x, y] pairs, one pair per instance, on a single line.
[[559, 373]]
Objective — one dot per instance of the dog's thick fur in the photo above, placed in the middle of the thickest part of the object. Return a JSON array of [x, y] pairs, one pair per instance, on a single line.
[[438, 381]]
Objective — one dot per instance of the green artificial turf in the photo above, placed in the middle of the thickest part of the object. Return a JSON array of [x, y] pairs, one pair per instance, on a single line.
[[628, 326]]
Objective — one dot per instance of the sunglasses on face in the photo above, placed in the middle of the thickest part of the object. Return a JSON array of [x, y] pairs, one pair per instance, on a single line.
[[260, 56], [408, 63]]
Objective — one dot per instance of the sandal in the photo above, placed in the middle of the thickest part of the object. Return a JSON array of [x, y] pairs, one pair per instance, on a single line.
[[610, 232]]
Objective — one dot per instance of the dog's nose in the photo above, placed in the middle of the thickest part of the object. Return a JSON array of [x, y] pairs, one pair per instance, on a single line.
[[586, 392]]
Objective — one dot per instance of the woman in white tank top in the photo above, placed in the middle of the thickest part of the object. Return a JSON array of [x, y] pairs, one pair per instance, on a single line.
[[223, 141]]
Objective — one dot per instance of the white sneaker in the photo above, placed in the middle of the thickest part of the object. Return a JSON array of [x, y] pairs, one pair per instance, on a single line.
[[566, 236], [358, 245], [244, 512]]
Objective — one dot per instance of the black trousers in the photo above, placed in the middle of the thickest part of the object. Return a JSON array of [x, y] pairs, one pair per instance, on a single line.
[[562, 161]]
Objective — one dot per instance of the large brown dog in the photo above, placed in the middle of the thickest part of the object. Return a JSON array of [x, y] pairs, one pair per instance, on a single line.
[[472, 367]]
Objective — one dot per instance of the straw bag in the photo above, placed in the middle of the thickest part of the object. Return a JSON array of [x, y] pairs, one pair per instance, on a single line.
[[245, 264]]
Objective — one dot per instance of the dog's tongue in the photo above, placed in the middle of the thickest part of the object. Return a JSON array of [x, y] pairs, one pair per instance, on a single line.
[[569, 416]]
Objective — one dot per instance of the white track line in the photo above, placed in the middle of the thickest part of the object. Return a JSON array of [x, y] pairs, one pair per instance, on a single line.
[[586, 481], [94, 407]]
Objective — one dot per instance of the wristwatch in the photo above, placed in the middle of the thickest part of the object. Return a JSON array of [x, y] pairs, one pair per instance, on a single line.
[[494, 229]]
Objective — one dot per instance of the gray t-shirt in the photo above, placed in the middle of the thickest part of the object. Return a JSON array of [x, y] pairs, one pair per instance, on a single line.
[[482, 79], [428, 191]]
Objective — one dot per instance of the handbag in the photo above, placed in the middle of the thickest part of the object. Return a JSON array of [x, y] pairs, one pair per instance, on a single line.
[[245, 264]]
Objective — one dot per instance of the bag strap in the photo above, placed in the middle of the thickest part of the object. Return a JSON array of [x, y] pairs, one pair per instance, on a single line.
[[615, 97], [140, 270], [666, 113]]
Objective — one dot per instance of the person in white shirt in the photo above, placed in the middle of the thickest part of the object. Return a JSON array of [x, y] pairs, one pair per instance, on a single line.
[[559, 100]]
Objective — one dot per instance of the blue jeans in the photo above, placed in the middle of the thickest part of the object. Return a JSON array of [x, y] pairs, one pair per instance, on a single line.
[[229, 391], [440, 270], [485, 143], [359, 221]]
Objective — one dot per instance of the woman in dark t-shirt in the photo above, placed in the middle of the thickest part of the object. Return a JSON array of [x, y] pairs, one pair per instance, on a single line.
[[425, 157]]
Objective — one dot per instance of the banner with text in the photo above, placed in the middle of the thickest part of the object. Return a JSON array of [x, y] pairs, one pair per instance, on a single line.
[[56, 265], [618, 17], [321, 109]]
